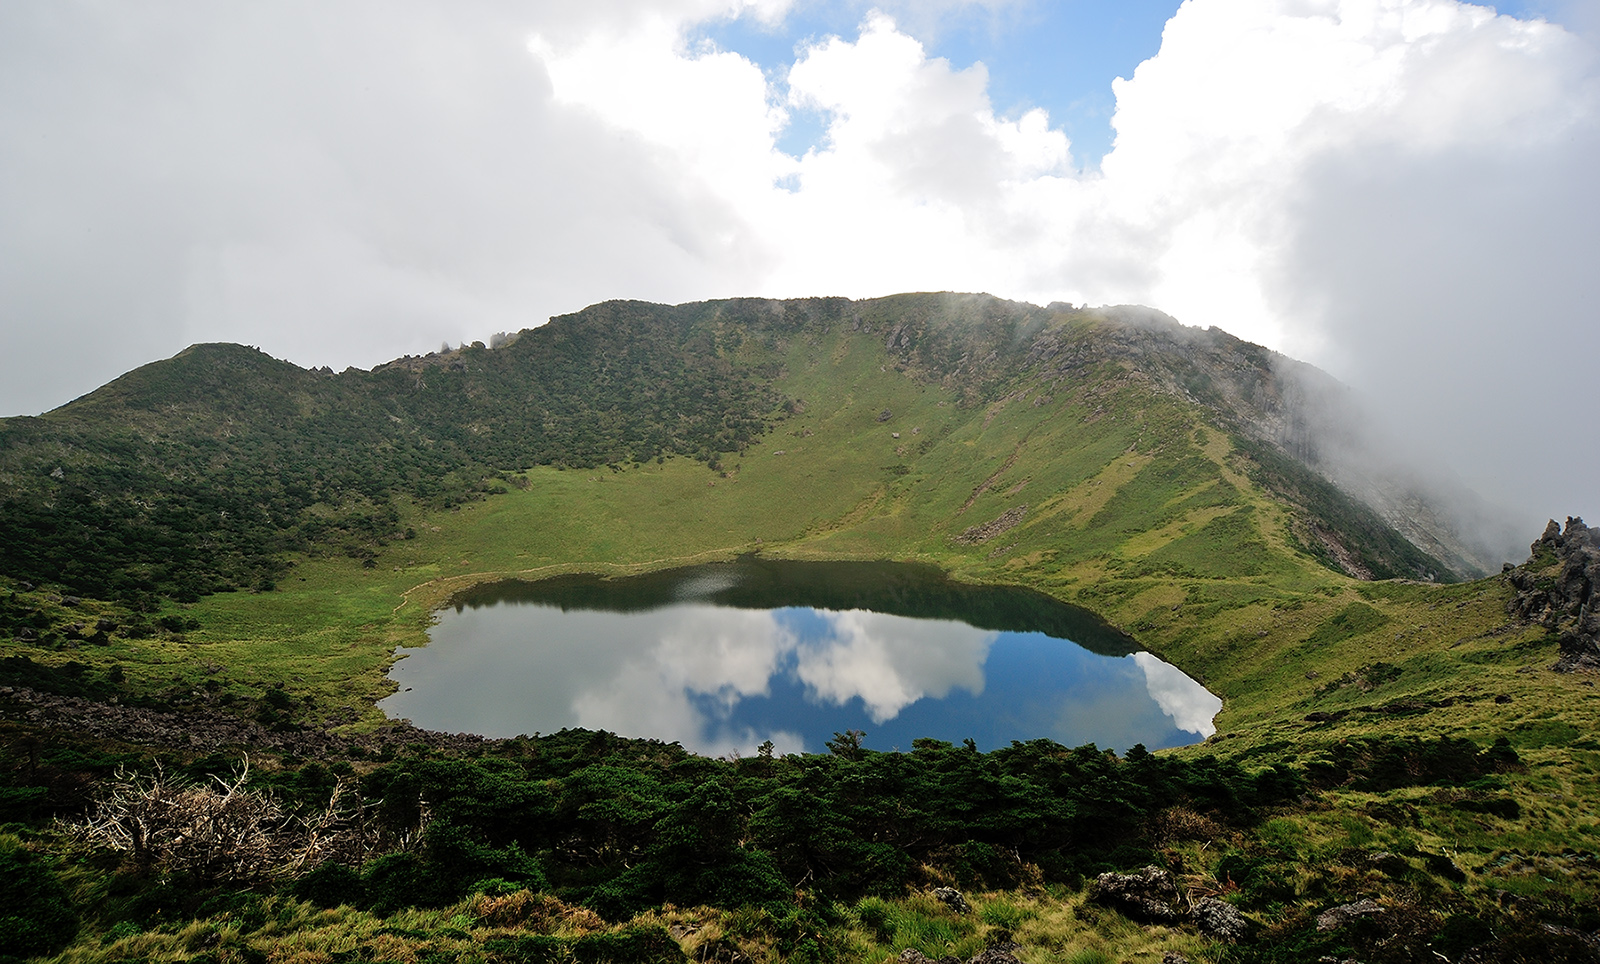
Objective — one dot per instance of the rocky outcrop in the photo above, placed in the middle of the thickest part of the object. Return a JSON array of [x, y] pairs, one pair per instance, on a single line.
[[1336, 917], [1149, 895], [953, 899], [1220, 920], [999, 954], [1559, 588], [1008, 519], [1152, 896]]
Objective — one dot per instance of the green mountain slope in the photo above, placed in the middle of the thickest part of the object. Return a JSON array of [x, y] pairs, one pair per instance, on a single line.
[[198, 474]]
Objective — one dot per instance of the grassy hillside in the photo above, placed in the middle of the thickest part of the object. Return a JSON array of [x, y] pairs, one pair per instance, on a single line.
[[1125, 465], [204, 473]]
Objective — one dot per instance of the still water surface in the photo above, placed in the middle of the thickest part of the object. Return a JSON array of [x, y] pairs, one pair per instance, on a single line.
[[722, 657]]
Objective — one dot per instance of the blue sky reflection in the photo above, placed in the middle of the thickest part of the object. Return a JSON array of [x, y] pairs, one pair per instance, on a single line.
[[722, 680]]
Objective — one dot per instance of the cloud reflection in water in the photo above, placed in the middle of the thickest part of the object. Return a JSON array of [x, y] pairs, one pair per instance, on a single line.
[[722, 680]]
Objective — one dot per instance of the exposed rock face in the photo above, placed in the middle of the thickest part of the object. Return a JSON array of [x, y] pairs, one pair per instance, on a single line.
[[997, 955], [1559, 589], [1006, 520], [1149, 895], [1000, 954]]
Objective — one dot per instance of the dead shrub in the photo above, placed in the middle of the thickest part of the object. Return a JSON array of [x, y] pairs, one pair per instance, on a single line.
[[1181, 823], [223, 830], [540, 913]]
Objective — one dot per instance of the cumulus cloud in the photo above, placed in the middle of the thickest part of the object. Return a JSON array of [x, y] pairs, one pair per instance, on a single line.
[[1394, 190], [1400, 190]]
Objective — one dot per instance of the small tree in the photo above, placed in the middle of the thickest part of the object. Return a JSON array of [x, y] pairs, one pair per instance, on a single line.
[[847, 744]]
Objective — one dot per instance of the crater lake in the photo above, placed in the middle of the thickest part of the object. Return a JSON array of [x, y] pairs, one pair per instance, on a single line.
[[725, 657]]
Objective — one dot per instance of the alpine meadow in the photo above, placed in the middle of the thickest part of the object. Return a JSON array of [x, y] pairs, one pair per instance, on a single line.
[[207, 565]]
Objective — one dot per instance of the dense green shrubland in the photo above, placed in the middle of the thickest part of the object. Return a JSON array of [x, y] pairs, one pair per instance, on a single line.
[[585, 846], [198, 474]]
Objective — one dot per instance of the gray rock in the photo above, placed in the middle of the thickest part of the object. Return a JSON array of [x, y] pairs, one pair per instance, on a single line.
[[1568, 605], [913, 956], [1221, 920], [1173, 957], [1336, 917], [1149, 895], [1589, 940], [1387, 862], [996, 955], [953, 899]]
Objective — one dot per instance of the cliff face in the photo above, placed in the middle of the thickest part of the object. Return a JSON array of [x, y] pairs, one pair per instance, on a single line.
[[1559, 588]]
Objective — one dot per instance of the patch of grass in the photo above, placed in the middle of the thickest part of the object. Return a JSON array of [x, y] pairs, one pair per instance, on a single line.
[[1353, 620], [1541, 733], [1228, 546]]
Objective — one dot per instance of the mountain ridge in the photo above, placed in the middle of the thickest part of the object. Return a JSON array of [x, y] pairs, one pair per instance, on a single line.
[[293, 458]]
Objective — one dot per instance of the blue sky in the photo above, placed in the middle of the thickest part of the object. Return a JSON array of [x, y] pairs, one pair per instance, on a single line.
[[1060, 56]]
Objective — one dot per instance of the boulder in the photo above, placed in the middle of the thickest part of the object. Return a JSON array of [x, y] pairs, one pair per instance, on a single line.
[[953, 899], [1336, 917], [1220, 920], [1149, 895], [1387, 863], [997, 955]]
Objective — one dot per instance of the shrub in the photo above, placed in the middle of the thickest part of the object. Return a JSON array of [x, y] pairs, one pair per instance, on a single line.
[[330, 885], [36, 915], [642, 944], [396, 881]]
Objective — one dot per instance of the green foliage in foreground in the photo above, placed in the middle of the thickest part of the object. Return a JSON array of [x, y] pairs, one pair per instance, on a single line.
[[582, 846], [36, 914]]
